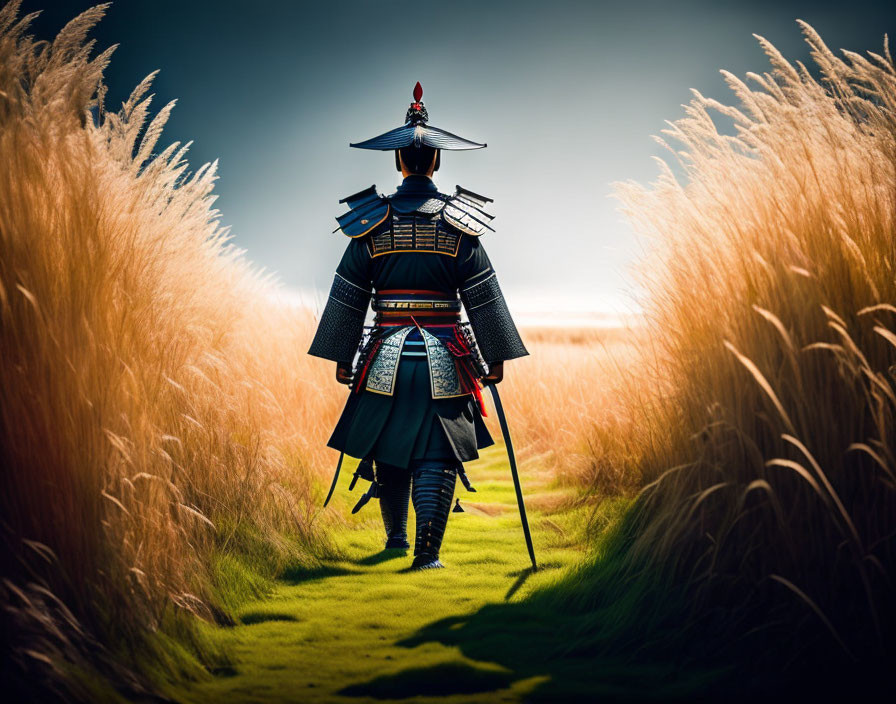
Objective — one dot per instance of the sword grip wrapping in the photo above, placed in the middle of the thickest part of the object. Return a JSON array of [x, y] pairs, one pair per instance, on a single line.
[[479, 363]]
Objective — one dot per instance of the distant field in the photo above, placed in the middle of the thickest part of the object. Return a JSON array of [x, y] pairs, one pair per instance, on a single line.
[[563, 399]]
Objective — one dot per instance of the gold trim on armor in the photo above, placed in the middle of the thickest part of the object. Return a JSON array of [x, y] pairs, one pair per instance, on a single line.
[[384, 371], [376, 224], [417, 305], [418, 251]]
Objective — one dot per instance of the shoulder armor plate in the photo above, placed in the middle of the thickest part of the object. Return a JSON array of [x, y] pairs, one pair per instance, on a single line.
[[367, 209], [464, 210]]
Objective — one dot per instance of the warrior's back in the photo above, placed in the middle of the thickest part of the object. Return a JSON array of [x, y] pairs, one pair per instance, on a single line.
[[415, 408]]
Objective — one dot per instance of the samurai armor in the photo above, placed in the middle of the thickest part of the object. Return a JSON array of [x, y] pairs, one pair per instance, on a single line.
[[394, 494], [432, 494]]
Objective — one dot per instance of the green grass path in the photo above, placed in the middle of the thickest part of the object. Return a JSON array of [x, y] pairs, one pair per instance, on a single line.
[[359, 629]]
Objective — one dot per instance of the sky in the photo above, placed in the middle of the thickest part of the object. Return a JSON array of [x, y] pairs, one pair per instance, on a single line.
[[567, 94]]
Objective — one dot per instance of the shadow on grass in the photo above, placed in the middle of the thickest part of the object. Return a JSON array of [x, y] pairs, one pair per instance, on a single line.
[[253, 617], [383, 556], [299, 575], [615, 630], [223, 672], [544, 641], [524, 642], [520, 581], [438, 681], [594, 635]]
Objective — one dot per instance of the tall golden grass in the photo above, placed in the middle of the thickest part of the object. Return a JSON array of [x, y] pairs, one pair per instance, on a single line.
[[772, 314], [157, 408], [564, 405]]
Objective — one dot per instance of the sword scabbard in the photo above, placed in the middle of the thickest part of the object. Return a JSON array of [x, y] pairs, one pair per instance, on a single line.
[[335, 479], [511, 457]]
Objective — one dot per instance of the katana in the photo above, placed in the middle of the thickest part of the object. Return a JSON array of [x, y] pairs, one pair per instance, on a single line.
[[335, 479], [508, 443]]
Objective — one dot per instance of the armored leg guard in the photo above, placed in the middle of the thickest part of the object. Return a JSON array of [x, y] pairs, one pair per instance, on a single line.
[[432, 494], [394, 490]]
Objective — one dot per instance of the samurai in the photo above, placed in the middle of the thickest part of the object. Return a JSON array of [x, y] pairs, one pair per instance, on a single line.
[[415, 409]]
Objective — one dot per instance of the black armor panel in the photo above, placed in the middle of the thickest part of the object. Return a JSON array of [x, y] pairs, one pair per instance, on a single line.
[[367, 209], [492, 324], [394, 493], [342, 322]]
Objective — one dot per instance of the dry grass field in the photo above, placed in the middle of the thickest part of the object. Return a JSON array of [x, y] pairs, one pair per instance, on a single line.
[[144, 430], [564, 403], [770, 510], [162, 428]]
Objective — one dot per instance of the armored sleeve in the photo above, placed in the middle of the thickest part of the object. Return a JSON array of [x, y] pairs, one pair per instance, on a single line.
[[342, 322], [486, 308]]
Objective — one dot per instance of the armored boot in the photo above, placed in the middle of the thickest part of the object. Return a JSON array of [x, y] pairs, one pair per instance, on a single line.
[[432, 494], [394, 491]]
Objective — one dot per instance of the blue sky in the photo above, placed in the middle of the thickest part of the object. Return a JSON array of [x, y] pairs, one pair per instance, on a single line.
[[566, 94]]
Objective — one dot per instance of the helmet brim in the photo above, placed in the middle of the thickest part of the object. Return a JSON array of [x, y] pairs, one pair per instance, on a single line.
[[421, 135]]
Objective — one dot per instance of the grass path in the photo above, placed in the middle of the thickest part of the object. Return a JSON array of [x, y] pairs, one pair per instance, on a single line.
[[358, 628]]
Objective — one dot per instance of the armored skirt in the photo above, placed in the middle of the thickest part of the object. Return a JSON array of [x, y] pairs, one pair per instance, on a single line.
[[410, 424]]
